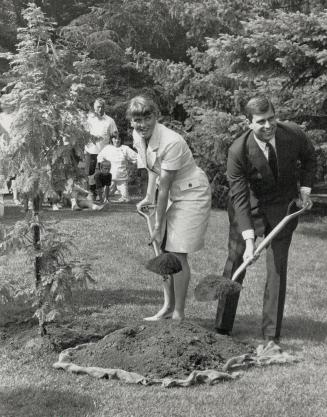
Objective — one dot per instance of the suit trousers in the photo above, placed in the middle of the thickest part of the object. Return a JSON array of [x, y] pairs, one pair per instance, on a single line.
[[275, 288]]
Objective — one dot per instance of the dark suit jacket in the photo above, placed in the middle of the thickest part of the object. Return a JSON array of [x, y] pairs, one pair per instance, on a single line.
[[254, 192]]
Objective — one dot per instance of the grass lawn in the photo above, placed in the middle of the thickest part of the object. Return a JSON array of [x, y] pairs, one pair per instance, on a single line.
[[115, 242]]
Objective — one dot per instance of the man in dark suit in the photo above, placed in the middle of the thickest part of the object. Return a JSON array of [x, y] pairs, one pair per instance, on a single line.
[[264, 176]]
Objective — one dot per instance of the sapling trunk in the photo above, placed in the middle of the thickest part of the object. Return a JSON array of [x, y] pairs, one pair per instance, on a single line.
[[37, 260]]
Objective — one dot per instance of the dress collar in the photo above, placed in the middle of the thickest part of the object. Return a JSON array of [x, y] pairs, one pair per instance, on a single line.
[[155, 138]]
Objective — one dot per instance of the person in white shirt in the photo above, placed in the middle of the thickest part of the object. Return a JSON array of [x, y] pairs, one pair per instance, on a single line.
[[7, 116], [119, 155], [183, 198], [102, 127]]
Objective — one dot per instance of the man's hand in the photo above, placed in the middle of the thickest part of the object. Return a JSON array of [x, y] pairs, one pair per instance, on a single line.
[[304, 200], [249, 250]]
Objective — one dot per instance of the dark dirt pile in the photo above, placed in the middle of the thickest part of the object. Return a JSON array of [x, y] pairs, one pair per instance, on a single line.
[[80, 331], [161, 349]]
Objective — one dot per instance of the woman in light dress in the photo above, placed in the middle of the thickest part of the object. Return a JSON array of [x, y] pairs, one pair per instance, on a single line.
[[183, 199]]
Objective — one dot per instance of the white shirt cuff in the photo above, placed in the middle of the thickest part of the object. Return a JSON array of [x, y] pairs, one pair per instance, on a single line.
[[305, 190], [248, 234]]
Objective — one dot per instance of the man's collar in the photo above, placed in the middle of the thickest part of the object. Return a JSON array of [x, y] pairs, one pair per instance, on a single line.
[[95, 115], [263, 144]]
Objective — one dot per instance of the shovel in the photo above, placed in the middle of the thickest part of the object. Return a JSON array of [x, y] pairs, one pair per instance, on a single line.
[[165, 263], [213, 287]]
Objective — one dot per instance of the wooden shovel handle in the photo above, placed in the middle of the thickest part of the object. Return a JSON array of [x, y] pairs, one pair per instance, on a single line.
[[289, 216], [148, 221]]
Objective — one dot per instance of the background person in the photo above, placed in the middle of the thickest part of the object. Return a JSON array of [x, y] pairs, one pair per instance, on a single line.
[[261, 170], [119, 155], [181, 227], [103, 180], [102, 127], [77, 194], [7, 116]]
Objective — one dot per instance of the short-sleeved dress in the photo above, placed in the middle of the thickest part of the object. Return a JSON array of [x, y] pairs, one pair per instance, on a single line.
[[188, 214]]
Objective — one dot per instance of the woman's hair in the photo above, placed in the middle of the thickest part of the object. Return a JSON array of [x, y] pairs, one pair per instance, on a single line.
[[258, 105], [141, 106]]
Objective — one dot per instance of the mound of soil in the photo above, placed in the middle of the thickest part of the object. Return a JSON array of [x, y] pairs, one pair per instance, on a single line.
[[80, 331], [74, 331], [161, 349]]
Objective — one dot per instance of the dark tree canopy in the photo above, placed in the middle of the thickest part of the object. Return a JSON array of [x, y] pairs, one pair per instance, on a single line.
[[201, 60]]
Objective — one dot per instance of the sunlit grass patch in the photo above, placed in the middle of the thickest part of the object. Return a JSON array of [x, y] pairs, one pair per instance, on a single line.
[[115, 243]]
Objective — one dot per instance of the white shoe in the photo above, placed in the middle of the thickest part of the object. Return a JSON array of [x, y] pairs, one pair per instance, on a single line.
[[99, 207], [122, 200], [75, 207]]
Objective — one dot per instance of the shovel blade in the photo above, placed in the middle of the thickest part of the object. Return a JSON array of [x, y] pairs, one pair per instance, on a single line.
[[214, 287], [164, 264]]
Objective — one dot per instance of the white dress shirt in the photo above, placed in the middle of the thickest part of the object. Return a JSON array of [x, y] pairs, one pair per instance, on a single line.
[[119, 157], [102, 127]]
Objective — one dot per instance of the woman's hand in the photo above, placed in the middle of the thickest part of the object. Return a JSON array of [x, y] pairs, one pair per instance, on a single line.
[[149, 198], [143, 203]]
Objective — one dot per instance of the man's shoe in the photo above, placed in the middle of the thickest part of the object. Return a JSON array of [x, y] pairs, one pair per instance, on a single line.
[[223, 332]]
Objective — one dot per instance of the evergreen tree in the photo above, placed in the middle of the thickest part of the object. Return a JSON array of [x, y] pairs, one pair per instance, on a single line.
[[48, 86]]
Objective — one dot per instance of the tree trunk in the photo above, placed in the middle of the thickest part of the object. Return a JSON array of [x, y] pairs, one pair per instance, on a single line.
[[37, 260]]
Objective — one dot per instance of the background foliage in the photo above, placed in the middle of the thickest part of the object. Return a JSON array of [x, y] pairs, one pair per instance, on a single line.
[[201, 61]]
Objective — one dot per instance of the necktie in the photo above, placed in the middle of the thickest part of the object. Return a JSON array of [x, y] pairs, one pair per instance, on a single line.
[[272, 160]]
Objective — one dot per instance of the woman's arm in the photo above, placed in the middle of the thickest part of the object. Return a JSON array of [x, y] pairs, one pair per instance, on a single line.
[[166, 179], [152, 185], [151, 191]]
